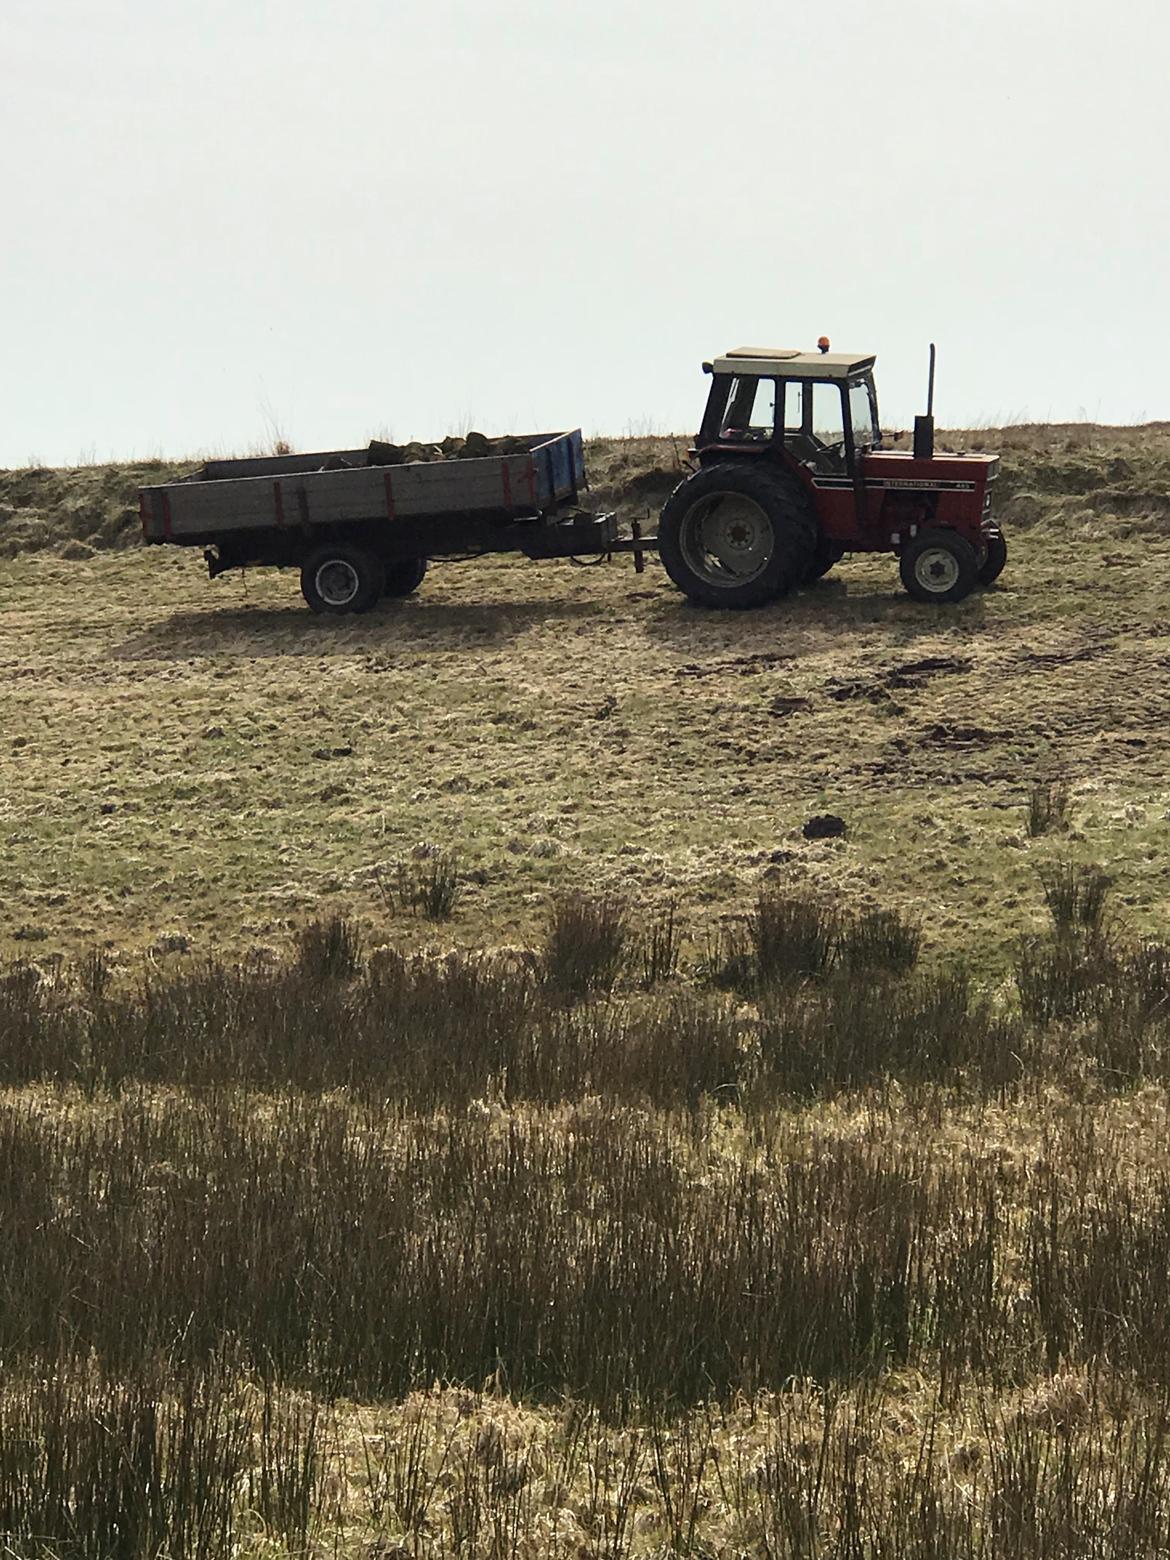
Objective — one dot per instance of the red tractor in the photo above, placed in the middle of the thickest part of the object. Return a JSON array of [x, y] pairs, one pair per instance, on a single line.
[[792, 476]]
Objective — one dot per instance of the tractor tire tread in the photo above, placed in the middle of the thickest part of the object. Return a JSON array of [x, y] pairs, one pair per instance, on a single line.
[[783, 501], [994, 558], [961, 550]]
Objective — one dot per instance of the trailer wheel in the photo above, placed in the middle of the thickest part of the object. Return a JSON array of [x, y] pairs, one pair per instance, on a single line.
[[735, 535], [342, 579], [991, 558], [939, 566], [404, 575]]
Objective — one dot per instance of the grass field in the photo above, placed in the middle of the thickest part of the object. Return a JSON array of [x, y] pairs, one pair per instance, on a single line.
[[767, 1197], [211, 761]]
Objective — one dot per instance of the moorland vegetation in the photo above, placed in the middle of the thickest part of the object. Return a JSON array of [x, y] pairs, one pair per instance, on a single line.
[[449, 1107]]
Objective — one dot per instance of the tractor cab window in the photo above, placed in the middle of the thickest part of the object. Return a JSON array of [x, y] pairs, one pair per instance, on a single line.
[[814, 424], [828, 416], [751, 409], [863, 416]]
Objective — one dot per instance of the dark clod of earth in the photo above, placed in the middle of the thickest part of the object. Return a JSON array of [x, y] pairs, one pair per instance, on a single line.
[[824, 826]]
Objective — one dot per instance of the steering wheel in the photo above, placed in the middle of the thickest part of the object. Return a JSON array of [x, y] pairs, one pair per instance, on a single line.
[[831, 453]]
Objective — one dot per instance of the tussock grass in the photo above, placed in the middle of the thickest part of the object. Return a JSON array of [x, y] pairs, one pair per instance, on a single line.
[[620, 1256], [1047, 807], [693, 1247], [586, 943], [162, 1458], [659, 947], [328, 950], [794, 938], [431, 886], [880, 940], [1076, 896], [838, 1001]]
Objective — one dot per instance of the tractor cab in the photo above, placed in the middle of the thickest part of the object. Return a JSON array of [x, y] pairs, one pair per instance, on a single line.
[[817, 408]]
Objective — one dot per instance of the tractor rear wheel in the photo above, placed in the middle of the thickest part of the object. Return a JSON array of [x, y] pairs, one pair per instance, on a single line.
[[340, 579], [737, 535], [404, 575], [992, 557], [939, 566]]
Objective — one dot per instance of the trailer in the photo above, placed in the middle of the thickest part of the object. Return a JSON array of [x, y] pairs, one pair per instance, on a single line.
[[362, 524], [791, 472]]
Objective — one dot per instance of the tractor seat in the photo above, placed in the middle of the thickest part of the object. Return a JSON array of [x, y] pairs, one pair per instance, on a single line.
[[802, 447]]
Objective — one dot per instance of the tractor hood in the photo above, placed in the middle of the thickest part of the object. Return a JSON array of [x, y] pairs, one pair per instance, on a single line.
[[899, 469]]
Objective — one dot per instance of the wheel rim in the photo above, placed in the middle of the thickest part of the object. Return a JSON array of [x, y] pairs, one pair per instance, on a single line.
[[337, 582], [726, 539], [937, 570]]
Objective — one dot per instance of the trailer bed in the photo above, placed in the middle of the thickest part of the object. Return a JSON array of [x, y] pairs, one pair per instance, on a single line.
[[538, 474]]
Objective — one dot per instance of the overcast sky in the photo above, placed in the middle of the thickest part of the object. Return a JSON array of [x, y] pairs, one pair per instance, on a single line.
[[231, 220]]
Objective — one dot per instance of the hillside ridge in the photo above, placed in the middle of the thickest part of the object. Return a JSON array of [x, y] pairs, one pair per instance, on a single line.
[[77, 511]]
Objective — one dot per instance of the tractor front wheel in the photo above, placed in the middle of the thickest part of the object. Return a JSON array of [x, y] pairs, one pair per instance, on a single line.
[[992, 557], [825, 556], [939, 566], [737, 535]]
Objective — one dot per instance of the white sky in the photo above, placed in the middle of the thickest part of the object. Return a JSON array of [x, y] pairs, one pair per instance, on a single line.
[[228, 219]]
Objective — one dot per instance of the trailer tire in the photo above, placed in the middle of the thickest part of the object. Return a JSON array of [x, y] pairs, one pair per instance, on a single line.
[[340, 579], [743, 555], [992, 557], [404, 575], [939, 566]]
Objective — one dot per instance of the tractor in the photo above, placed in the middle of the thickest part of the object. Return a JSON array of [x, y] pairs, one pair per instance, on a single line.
[[793, 474]]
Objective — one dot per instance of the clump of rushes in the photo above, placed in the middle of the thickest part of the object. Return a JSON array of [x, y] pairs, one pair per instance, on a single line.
[[728, 961], [879, 940], [792, 939], [431, 887], [1047, 807], [1076, 896], [1073, 971], [832, 1014], [659, 948], [585, 943], [329, 950], [156, 1458]]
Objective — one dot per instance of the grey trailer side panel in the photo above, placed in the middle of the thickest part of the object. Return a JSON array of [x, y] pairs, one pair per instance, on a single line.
[[335, 497], [223, 499]]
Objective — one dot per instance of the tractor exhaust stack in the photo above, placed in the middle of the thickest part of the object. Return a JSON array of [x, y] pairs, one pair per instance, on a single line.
[[924, 426]]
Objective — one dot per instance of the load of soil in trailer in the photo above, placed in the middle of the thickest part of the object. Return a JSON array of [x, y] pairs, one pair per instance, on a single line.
[[475, 446]]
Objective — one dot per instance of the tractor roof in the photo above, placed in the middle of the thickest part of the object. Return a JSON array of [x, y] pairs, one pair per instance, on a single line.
[[791, 364]]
